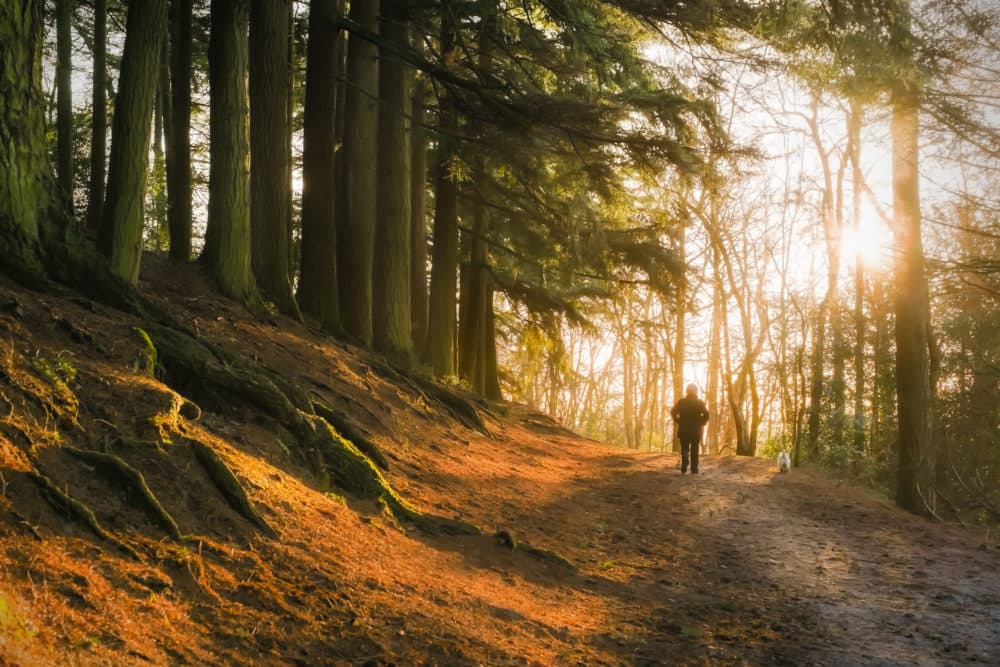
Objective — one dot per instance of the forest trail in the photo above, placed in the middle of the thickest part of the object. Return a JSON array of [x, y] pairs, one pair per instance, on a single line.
[[619, 559], [743, 565]]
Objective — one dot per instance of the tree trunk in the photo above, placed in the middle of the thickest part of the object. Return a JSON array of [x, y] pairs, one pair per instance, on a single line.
[[291, 65], [472, 334], [269, 126], [492, 373], [99, 117], [179, 218], [170, 154], [628, 392], [157, 186], [227, 235], [317, 291], [120, 237], [418, 220], [64, 100], [391, 277], [440, 349], [915, 490], [816, 380], [681, 308], [25, 181], [715, 359], [828, 309], [854, 143], [838, 383], [357, 188]]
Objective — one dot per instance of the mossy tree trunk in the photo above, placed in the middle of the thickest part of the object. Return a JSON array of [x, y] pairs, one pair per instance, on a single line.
[[418, 219], [317, 292], [99, 116], [356, 182], [227, 236], [391, 275], [269, 123], [121, 228], [439, 352], [179, 219], [25, 181], [64, 100]]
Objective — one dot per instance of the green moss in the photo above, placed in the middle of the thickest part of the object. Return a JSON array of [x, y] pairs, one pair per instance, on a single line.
[[58, 372], [146, 360], [13, 625]]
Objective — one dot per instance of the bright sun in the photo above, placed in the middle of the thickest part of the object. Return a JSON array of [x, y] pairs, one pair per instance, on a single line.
[[871, 241]]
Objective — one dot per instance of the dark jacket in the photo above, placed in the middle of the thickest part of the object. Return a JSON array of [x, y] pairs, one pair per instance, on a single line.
[[691, 415]]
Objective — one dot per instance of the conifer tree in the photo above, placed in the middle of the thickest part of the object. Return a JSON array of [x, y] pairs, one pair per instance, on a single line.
[[269, 123], [99, 117], [356, 192], [317, 290], [179, 216], [439, 352], [391, 276], [64, 99], [227, 236], [120, 236], [24, 171]]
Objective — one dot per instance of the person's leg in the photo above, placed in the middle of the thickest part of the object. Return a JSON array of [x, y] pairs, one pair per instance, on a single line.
[[685, 446], [695, 446]]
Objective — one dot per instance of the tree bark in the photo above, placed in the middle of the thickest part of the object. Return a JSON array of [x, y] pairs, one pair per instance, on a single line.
[[439, 352], [472, 331], [179, 219], [418, 220], [492, 390], [715, 358], [269, 127], [679, 335], [391, 277], [64, 100], [357, 187], [227, 235], [99, 117], [854, 142], [915, 489], [157, 187], [120, 237], [25, 181], [317, 292]]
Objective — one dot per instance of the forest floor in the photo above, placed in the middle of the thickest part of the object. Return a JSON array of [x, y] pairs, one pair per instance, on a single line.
[[618, 560]]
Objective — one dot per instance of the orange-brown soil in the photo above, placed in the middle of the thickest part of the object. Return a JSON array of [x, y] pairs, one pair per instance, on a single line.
[[738, 565]]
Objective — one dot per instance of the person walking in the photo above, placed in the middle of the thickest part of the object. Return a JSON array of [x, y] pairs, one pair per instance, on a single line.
[[690, 414]]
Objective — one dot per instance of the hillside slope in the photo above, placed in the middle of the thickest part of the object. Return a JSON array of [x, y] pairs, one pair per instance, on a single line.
[[584, 554]]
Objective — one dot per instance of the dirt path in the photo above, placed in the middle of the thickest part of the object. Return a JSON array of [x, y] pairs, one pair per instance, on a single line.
[[741, 565]]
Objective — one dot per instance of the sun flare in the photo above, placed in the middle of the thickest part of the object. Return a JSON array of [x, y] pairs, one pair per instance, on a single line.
[[871, 241]]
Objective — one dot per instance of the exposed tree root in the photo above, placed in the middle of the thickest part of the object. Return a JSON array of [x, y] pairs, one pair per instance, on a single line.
[[350, 467], [504, 538], [136, 483], [62, 501], [230, 486], [26, 524], [462, 409], [352, 433], [169, 420]]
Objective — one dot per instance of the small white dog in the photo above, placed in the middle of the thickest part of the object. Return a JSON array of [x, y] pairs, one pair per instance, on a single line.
[[784, 462]]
